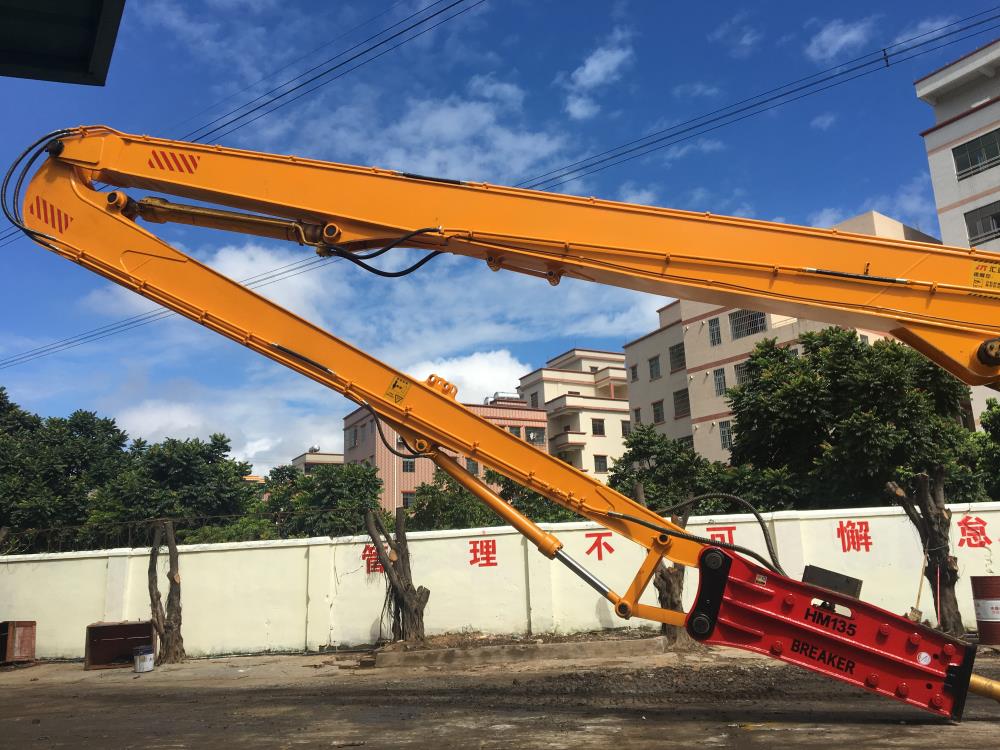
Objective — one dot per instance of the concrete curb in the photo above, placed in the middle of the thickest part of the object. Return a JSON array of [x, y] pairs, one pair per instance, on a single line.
[[520, 652]]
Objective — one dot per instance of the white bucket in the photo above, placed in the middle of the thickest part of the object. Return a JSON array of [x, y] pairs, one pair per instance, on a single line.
[[142, 656]]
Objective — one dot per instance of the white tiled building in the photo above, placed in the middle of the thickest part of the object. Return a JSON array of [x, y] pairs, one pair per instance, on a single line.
[[963, 152], [585, 395], [679, 373]]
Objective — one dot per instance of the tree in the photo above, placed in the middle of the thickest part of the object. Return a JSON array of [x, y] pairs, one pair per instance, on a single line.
[[406, 601], [191, 480], [166, 623], [330, 501], [445, 504], [529, 503], [49, 469], [845, 418]]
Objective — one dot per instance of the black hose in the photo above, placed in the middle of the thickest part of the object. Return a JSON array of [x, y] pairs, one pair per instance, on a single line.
[[768, 541]]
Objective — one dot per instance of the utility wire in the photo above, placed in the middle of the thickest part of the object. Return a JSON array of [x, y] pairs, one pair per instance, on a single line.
[[286, 102], [222, 126], [614, 157], [880, 59], [288, 65]]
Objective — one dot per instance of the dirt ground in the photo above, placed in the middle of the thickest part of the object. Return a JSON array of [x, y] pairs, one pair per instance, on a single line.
[[706, 699]]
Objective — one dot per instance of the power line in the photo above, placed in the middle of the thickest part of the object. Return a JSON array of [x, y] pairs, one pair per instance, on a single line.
[[613, 157], [362, 53], [539, 178], [288, 65], [137, 321], [591, 165]]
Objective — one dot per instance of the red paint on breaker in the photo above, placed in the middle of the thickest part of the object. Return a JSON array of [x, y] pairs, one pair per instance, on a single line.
[[834, 634]]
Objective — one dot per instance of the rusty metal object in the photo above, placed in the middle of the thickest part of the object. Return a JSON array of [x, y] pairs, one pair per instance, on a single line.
[[17, 641], [109, 644]]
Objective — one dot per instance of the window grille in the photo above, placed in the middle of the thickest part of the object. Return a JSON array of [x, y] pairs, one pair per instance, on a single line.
[[714, 332], [719, 377], [983, 224], [600, 464], [654, 367], [977, 155], [657, 412], [743, 323], [682, 403], [677, 359], [726, 435], [742, 372]]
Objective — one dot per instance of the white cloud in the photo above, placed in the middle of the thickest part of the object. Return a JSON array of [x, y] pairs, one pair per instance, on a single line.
[[824, 121], [926, 29], [826, 217], [630, 192], [732, 202], [699, 146], [911, 203], [488, 87], [601, 67], [741, 37], [477, 375], [696, 89], [269, 420], [839, 37]]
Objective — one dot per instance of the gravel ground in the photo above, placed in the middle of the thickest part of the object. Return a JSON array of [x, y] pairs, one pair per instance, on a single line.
[[698, 698]]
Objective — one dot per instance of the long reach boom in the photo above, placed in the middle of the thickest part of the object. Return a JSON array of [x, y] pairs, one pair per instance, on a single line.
[[943, 301]]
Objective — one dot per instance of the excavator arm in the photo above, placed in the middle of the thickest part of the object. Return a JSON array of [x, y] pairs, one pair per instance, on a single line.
[[940, 300]]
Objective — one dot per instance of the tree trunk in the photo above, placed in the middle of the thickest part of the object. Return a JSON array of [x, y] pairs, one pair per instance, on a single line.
[[167, 624], [668, 580], [927, 511], [406, 602]]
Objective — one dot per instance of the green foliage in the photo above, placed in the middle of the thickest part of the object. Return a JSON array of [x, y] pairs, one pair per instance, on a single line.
[[445, 504], [539, 509], [330, 501], [182, 479], [844, 418]]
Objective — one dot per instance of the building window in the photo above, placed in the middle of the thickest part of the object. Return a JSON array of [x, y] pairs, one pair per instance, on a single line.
[[687, 441], [534, 400], [408, 499], [472, 466], [633, 372], [677, 359], [353, 442], [726, 435], [514, 430], [977, 155], [574, 393], [626, 427], [654, 367], [793, 350], [714, 332], [600, 464], [864, 339], [597, 427], [593, 369], [682, 404], [743, 323], [742, 372], [534, 435], [657, 412], [409, 465], [637, 415], [983, 224], [719, 378]]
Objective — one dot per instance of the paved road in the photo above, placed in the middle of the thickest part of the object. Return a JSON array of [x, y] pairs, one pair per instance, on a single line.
[[662, 701]]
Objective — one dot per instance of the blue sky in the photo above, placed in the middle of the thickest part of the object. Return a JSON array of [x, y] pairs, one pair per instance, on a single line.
[[502, 93]]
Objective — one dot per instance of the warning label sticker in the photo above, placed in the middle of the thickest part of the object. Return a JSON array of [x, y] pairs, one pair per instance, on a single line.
[[986, 276], [399, 387]]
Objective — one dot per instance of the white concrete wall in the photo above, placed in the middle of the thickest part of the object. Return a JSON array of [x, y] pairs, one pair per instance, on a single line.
[[305, 594]]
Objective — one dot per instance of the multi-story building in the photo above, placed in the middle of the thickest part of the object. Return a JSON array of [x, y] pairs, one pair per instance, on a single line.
[[679, 373], [963, 147], [584, 392], [315, 457], [963, 152], [401, 476]]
